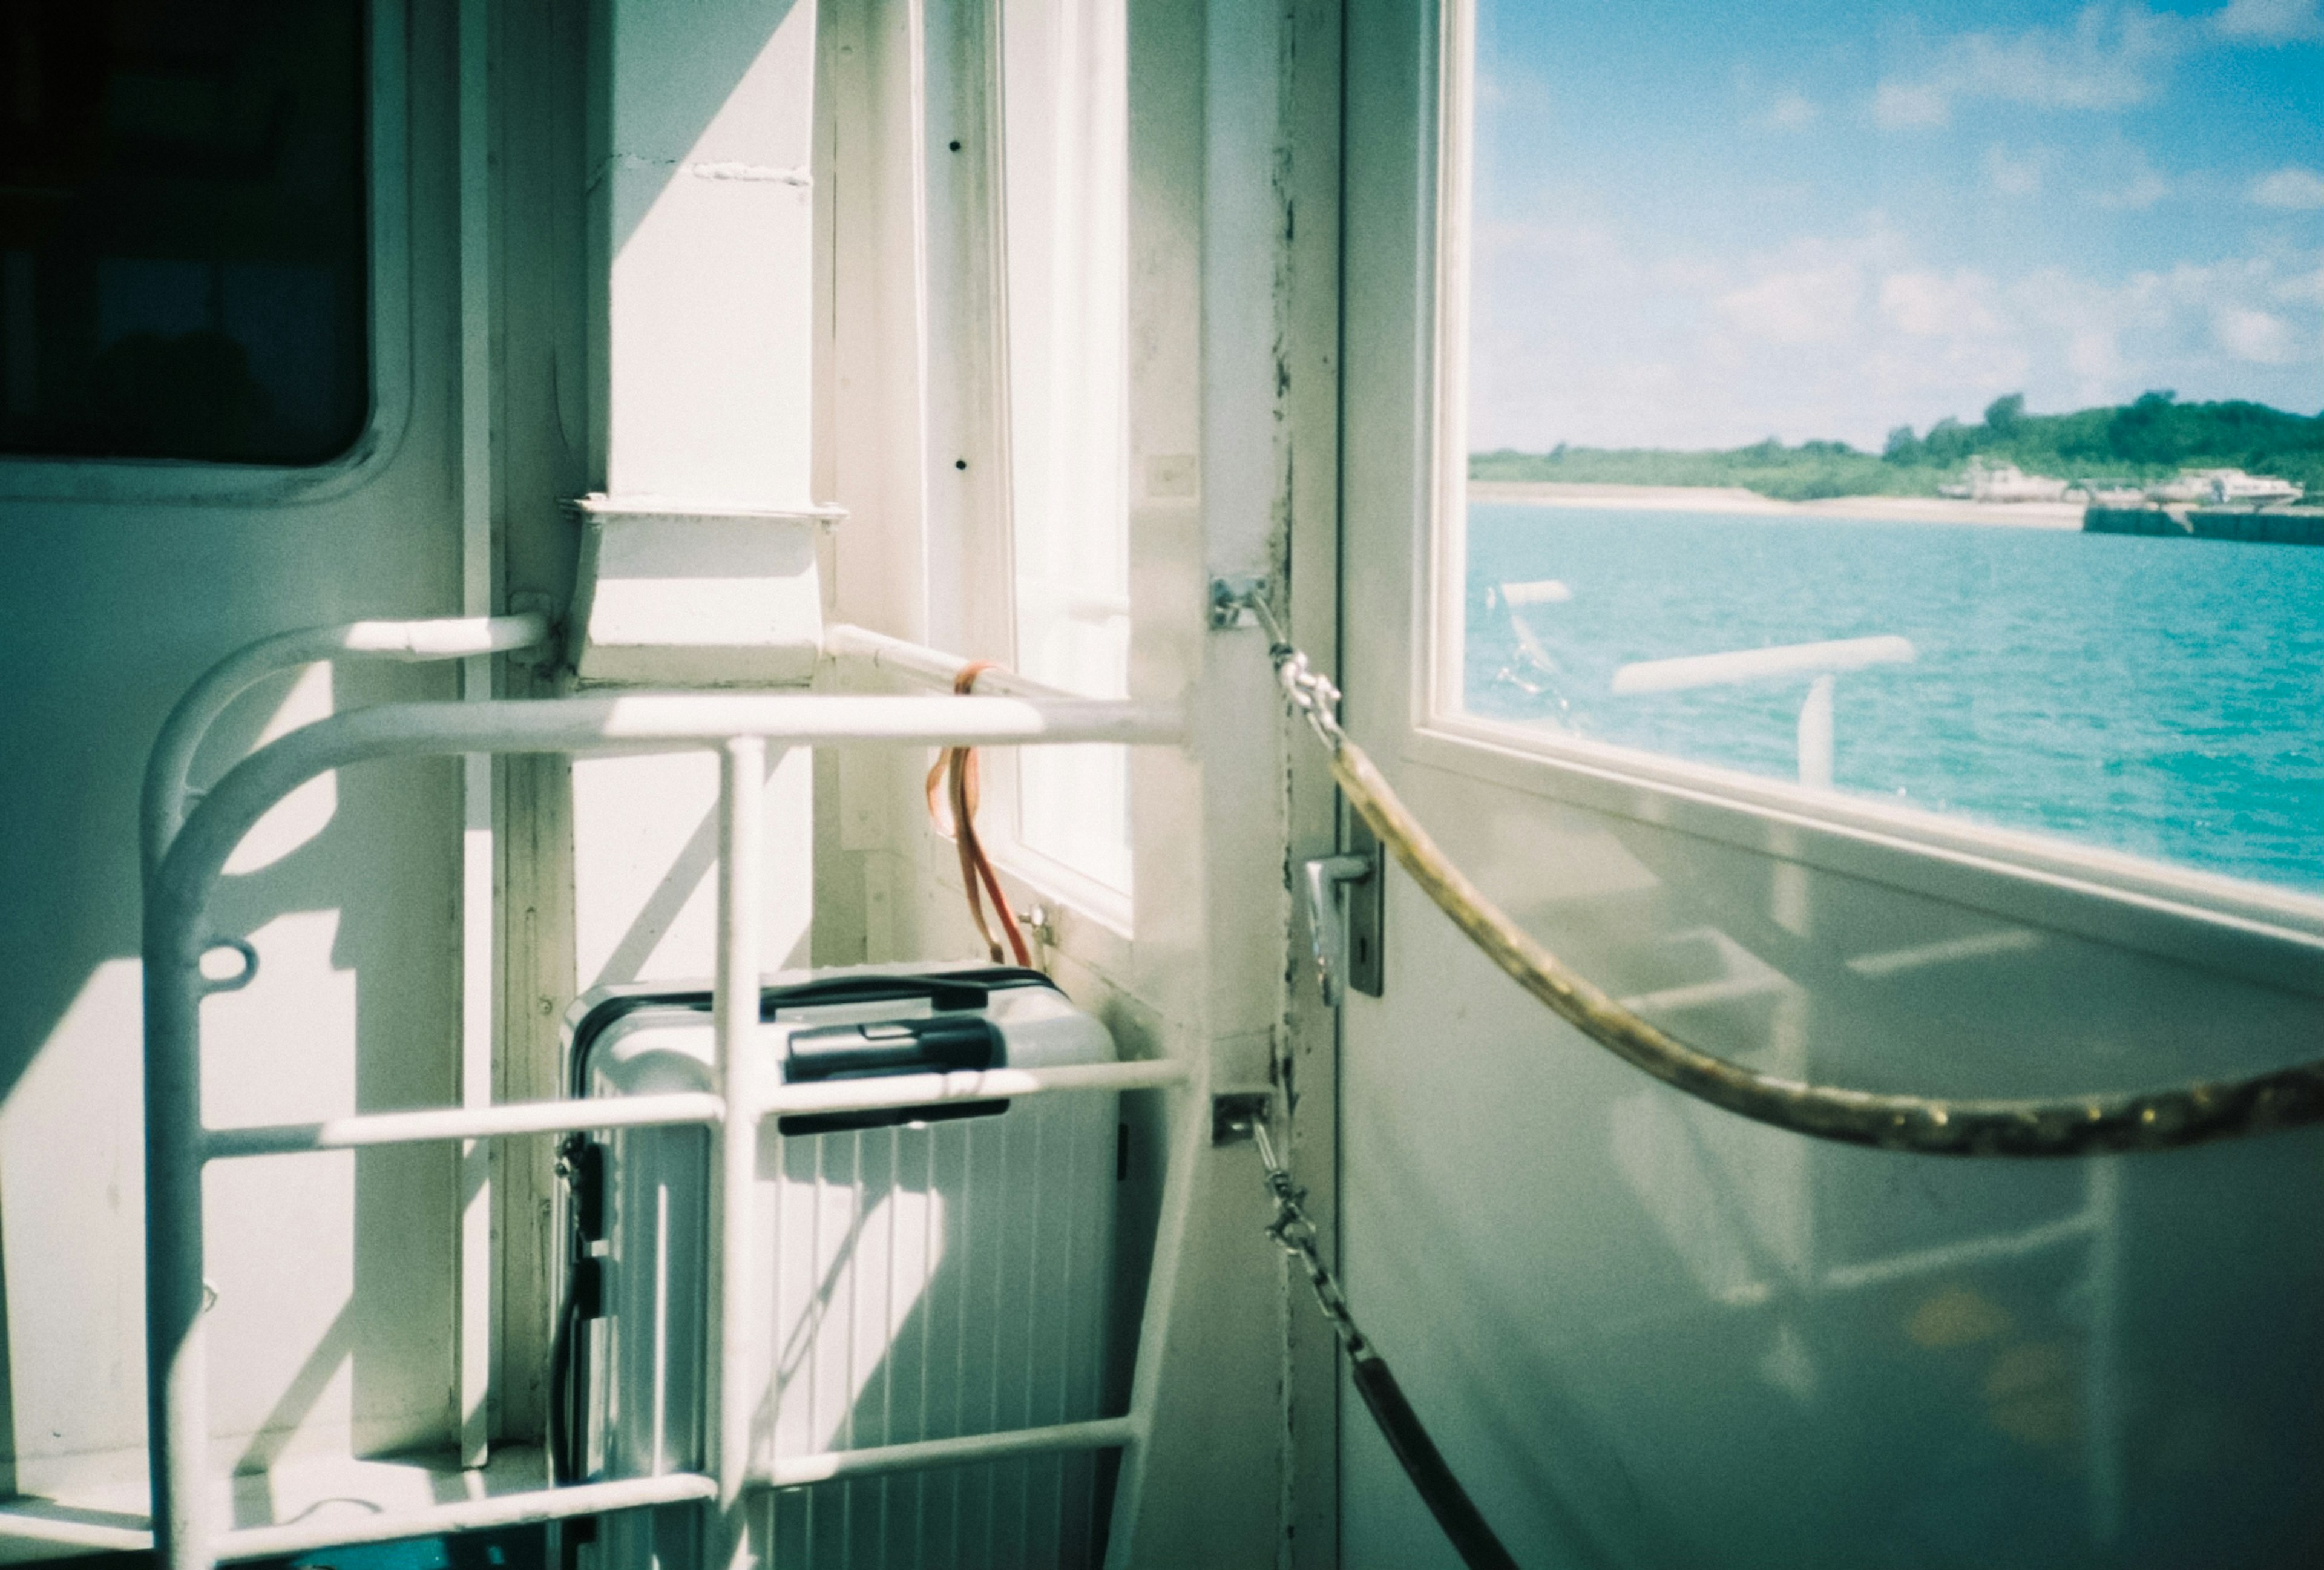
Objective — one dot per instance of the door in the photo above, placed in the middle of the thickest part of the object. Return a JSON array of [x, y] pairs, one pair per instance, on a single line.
[[1908, 791]]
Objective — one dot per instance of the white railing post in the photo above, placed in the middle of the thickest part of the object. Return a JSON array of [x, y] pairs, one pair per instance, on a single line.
[[185, 862], [2102, 1418], [1820, 663], [735, 1015], [177, 1368], [1815, 734]]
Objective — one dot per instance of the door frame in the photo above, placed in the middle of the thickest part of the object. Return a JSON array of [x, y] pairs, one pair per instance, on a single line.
[[1406, 282]]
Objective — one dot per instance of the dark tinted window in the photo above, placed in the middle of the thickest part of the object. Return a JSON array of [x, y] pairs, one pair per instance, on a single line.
[[183, 263]]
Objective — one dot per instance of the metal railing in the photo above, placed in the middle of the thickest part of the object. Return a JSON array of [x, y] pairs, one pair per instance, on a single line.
[[185, 856], [1820, 663]]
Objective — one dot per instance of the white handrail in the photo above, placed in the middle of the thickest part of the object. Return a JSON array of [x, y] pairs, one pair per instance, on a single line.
[[470, 1515], [874, 1460], [512, 1118], [178, 891], [461, 1123], [860, 646], [162, 807], [1820, 663], [1741, 665]]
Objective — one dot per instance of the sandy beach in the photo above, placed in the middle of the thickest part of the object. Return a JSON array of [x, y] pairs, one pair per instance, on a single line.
[[1734, 499]]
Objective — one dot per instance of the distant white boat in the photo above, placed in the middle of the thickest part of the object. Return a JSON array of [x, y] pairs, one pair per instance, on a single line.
[[2003, 482], [2226, 488]]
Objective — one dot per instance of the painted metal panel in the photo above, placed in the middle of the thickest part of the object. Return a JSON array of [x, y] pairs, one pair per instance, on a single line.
[[1647, 1333], [126, 580], [917, 1282]]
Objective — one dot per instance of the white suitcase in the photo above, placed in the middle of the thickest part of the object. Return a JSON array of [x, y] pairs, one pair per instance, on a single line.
[[920, 1274]]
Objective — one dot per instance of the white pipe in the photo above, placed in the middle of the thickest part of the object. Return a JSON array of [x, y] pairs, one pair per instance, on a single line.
[[484, 1123], [836, 1095], [474, 1273], [2103, 1419], [1547, 591], [1815, 734], [162, 808], [735, 1015], [507, 1510], [1742, 665], [798, 1470], [442, 637], [177, 898], [24, 1521], [632, 723], [557, 1117], [1186, 1121], [860, 646], [1977, 1251]]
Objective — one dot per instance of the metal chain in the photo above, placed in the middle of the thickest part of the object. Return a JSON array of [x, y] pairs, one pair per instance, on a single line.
[[1464, 1526], [2172, 1117], [1292, 1229], [1308, 691]]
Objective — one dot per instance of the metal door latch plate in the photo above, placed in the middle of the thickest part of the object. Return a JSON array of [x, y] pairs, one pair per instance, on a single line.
[[1234, 1113]]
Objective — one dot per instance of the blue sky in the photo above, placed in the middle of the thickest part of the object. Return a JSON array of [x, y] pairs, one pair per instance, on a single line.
[[1698, 223]]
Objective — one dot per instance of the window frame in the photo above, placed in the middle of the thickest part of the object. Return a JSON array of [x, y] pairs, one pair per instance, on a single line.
[[203, 482], [2261, 931], [970, 535]]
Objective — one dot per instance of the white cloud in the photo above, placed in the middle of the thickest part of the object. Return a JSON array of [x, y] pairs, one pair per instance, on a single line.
[[2290, 187], [2265, 21], [2307, 289], [1790, 112], [2011, 175], [2255, 336], [2112, 57], [1901, 106], [1814, 303], [1926, 305], [2143, 187], [1594, 335]]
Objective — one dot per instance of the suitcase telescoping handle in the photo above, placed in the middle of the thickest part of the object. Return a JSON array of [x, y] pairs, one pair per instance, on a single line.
[[936, 1044]]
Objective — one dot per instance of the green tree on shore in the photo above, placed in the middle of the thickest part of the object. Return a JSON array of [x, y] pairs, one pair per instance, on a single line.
[[2151, 438]]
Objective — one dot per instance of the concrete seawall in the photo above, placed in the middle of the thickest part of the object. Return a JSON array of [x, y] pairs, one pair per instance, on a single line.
[[2258, 526]]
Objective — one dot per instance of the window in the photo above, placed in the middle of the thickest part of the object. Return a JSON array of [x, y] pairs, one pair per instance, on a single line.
[[1914, 403], [183, 253], [1065, 178]]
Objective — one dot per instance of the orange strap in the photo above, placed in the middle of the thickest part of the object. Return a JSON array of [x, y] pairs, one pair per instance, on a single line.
[[952, 783]]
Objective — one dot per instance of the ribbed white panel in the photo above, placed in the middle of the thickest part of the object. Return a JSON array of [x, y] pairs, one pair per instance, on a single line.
[[916, 1283], [935, 1282]]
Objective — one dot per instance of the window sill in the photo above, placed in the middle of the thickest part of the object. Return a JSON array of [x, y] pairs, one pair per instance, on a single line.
[[2272, 936]]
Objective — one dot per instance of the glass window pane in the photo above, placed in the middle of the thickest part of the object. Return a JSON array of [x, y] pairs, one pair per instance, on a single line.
[[1913, 401], [183, 256], [1066, 96]]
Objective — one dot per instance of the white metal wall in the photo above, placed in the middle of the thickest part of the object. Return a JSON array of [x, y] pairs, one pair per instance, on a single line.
[[1645, 1332], [125, 581], [1231, 329]]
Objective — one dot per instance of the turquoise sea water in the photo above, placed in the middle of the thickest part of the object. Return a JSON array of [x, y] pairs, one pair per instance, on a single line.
[[2161, 697]]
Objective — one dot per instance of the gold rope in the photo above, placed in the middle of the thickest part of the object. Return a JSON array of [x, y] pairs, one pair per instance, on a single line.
[[2164, 1120]]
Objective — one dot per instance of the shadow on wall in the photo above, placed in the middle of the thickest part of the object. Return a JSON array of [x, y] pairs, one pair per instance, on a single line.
[[1592, 1287], [695, 65], [108, 612], [999, 1266]]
